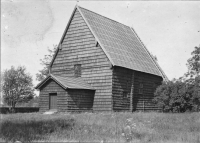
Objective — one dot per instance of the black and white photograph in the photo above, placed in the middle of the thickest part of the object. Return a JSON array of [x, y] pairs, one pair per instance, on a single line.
[[100, 71]]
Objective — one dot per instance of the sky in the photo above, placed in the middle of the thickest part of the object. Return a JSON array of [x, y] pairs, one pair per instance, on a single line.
[[169, 29]]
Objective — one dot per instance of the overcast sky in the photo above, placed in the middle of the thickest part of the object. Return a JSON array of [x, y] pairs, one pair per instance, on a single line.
[[170, 30]]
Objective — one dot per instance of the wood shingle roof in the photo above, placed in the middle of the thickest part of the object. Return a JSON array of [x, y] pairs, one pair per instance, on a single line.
[[67, 82], [120, 43]]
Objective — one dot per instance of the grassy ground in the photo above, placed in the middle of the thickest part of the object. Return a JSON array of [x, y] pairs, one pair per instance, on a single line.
[[117, 127]]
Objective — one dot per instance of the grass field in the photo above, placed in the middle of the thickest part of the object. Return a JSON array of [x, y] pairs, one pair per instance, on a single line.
[[105, 127]]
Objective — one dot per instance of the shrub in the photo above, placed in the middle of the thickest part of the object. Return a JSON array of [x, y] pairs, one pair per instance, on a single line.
[[29, 130], [6, 110], [178, 96]]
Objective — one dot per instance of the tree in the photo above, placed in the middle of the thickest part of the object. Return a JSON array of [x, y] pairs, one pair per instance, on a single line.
[[183, 94], [17, 86], [46, 63], [176, 96], [193, 63], [194, 91]]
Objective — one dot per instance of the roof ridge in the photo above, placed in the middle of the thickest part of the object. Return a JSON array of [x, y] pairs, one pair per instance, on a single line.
[[103, 16]]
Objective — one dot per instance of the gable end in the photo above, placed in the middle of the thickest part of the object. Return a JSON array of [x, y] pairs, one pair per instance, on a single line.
[[66, 29]]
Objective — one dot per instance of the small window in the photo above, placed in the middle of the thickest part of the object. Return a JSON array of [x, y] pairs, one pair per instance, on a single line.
[[127, 84], [77, 70], [96, 43], [140, 91], [141, 85], [141, 88], [125, 94]]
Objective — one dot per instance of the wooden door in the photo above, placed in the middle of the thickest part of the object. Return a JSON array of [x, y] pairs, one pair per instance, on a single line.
[[53, 101]]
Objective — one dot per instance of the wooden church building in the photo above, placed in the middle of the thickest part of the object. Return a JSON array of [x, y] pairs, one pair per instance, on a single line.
[[100, 65]]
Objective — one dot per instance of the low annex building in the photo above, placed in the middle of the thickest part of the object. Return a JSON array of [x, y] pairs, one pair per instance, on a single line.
[[100, 65]]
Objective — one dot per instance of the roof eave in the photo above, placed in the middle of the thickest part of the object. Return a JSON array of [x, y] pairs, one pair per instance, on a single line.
[[155, 63], [42, 82], [82, 88], [48, 78]]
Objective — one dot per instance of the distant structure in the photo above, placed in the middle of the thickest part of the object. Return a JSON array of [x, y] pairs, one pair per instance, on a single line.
[[100, 65]]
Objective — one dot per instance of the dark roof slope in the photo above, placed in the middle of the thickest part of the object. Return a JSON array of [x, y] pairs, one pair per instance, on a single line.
[[67, 82], [121, 44]]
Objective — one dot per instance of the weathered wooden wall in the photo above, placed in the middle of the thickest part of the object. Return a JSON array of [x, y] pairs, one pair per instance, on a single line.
[[67, 100], [122, 81], [127, 80], [143, 102], [80, 100], [52, 87], [79, 47]]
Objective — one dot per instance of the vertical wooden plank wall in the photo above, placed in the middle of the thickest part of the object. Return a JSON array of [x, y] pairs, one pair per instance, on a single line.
[[79, 47], [52, 87]]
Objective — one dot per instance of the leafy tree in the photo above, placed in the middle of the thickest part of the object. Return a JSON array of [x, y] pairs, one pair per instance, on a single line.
[[193, 63], [17, 86], [176, 96], [194, 91], [183, 94], [46, 63]]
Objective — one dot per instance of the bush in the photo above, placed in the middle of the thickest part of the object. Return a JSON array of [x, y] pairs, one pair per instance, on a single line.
[[5, 110], [178, 96], [29, 130]]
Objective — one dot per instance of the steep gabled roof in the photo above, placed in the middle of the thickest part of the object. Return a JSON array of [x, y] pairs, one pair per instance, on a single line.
[[66, 82], [120, 43]]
